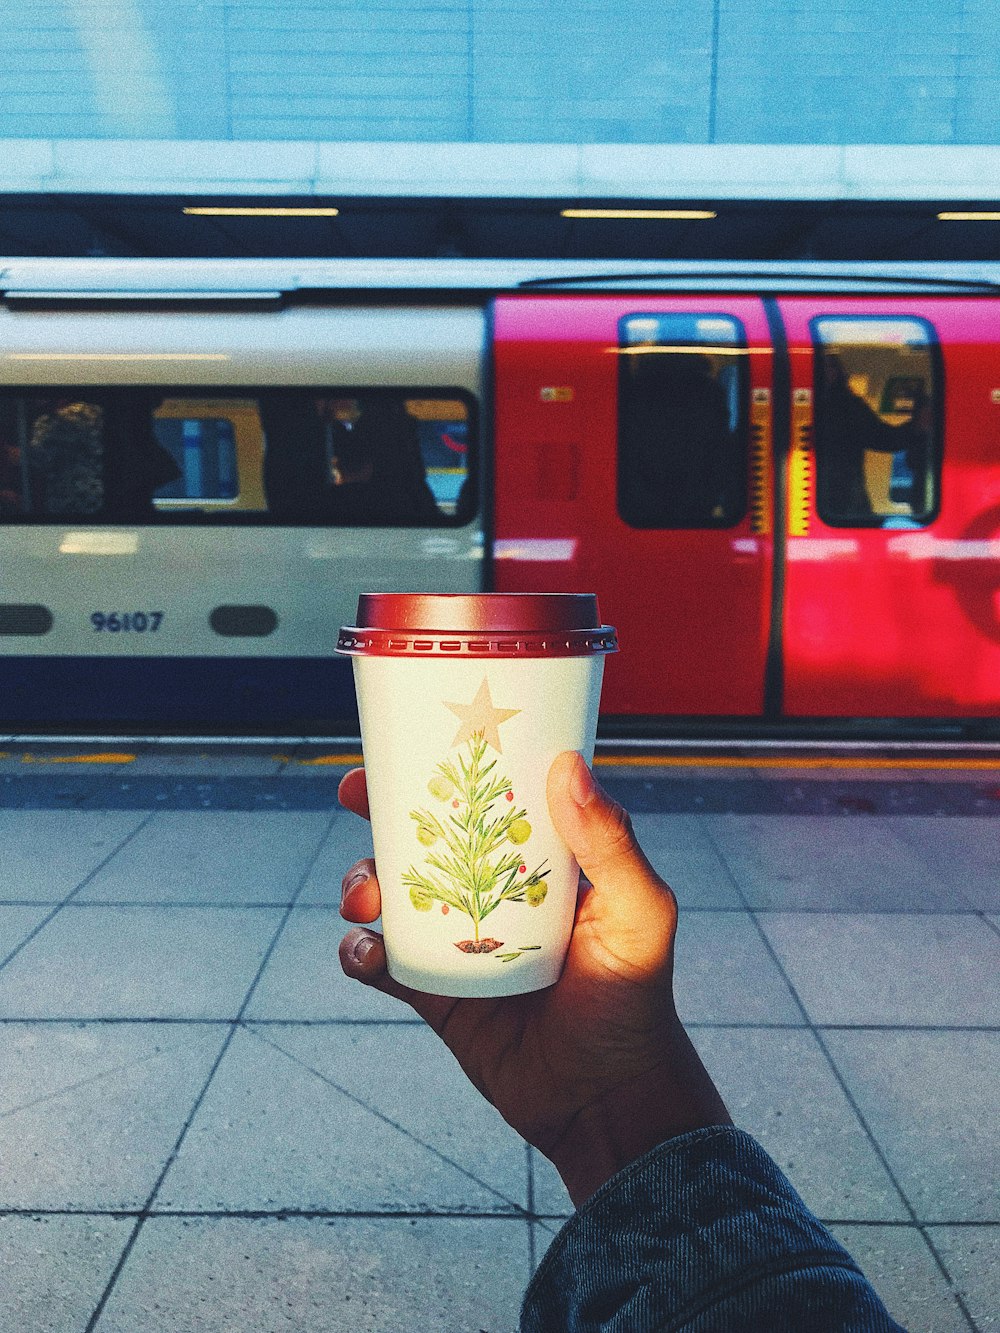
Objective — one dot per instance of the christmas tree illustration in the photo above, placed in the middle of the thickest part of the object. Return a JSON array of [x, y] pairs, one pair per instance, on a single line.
[[477, 835]]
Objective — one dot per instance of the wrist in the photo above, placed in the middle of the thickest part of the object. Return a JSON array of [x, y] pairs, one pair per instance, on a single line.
[[676, 1095]]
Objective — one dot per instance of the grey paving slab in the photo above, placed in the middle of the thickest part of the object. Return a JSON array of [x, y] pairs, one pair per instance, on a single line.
[[779, 1087], [544, 1233], [972, 1258], [16, 924], [209, 761], [930, 1099], [348, 840], [723, 972], [681, 768], [138, 962], [892, 772], [550, 1194], [229, 856], [684, 791], [303, 978], [336, 1275], [681, 852], [957, 794], [861, 968], [346, 1118], [824, 863], [137, 791], [46, 853], [90, 1112], [962, 851], [830, 796], [53, 1269], [901, 1268]]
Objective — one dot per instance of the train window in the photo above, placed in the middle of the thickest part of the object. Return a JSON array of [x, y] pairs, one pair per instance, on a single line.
[[877, 421], [53, 456], [682, 421], [81, 454], [393, 455], [217, 449], [345, 457]]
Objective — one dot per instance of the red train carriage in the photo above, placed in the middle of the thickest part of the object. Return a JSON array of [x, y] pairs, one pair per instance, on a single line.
[[834, 550]]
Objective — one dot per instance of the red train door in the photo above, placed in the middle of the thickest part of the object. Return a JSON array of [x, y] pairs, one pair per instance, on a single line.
[[633, 458], [893, 529]]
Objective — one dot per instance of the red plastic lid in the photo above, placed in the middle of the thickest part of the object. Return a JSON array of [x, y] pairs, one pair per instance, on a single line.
[[503, 624]]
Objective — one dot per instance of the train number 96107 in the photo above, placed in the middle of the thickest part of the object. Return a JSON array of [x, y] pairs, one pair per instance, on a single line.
[[123, 622]]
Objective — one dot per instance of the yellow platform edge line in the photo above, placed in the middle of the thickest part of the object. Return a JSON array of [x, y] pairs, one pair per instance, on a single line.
[[717, 761], [334, 760], [109, 758]]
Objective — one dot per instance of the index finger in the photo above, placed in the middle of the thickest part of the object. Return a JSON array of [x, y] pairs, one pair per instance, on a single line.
[[353, 792]]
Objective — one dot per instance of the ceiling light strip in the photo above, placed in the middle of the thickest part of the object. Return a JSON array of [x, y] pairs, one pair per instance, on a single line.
[[263, 212], [642, 214], [117, 356]]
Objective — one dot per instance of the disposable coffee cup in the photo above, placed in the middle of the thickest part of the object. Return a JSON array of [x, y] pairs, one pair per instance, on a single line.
[[464, 702]]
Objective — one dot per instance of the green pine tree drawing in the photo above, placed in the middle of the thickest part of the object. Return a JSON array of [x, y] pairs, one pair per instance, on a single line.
[[476, 862]]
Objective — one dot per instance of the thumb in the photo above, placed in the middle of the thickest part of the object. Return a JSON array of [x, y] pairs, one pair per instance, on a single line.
[[632, 900]]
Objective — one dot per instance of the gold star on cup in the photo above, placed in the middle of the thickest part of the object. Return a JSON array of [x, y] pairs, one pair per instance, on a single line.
[[481, 716]]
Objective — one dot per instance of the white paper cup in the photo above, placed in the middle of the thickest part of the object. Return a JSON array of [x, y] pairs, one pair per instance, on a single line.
[[464, 703]]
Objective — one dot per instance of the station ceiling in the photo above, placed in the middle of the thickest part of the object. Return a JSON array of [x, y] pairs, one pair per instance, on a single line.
[[97, 225]]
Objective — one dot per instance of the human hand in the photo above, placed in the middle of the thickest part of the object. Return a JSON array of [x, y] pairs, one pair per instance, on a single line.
[[597, 1069]]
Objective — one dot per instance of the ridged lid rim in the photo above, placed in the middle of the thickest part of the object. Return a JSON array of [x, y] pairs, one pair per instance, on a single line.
[[358, 641]]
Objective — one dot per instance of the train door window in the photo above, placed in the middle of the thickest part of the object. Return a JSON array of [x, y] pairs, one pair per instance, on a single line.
[[877, 421], [682, 421]]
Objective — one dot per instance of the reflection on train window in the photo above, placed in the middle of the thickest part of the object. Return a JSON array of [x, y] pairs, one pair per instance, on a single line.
[[217, 445], [876, 421], [294, 456], [394, 458], [81, 454], [682, 421], [205, 451]]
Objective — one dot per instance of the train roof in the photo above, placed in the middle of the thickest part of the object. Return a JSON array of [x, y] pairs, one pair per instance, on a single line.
[[246, 279]]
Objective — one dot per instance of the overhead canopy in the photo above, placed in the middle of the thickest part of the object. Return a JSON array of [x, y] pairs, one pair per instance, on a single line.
[[706, 227]]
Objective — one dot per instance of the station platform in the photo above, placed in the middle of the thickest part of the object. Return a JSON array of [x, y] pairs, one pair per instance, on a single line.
[[204, 1125]]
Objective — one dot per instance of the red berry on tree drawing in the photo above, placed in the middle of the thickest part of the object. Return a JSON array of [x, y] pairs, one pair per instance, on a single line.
[[475, 864]]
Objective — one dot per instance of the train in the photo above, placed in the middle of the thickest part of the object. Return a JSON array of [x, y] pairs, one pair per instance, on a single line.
[[782, 480]]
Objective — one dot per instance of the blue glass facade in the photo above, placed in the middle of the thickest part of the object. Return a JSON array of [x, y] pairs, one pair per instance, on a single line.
[[503, 71]]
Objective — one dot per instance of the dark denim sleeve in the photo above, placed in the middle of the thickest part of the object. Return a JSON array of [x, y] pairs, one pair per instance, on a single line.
[[703, 1234]]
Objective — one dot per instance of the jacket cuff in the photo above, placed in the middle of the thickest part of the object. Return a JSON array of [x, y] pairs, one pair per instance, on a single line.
[[695, 1218]]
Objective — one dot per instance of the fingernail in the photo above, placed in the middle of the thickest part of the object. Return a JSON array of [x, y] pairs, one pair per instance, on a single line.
[[363, 948], [581, 784], [352, 882]]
